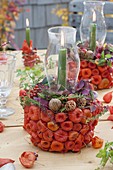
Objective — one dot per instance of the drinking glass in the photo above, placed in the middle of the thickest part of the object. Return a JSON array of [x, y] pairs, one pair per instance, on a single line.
[[7, 67]]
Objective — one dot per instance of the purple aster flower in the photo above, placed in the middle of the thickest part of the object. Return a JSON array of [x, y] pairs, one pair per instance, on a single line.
[[92, 108], [95, 94], [80, 85], [42, 102], [86, 91]]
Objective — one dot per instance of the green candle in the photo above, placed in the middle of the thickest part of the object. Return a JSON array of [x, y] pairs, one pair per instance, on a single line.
[[92, 44], [62, 68], [27, 32], [93, 27]]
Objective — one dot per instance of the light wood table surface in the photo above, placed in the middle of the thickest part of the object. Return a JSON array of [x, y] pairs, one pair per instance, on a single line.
[[14, 140]]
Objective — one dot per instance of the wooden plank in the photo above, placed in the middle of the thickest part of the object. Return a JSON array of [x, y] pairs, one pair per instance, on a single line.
[[26, 2], [41, 38], [27, 15], [76, 6], [65, 0], [38, 16], [45, 2], [20, 36], [109, 23], [51, 18], [19, 22], [75, 20], [78, 35], [108, 8], [109, 37], [33, 1]]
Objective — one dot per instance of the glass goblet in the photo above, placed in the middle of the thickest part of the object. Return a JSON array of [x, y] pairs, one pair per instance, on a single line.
[[7, 67]]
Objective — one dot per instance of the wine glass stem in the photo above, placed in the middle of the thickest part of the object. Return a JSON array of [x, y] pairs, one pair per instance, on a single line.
[[3, 101]]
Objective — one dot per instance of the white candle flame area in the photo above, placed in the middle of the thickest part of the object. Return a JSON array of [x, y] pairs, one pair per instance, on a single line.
[[94, 16], [27, 22], [62, 38]]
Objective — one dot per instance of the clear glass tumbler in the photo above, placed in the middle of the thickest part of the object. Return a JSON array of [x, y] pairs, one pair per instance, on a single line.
[[7, 68]]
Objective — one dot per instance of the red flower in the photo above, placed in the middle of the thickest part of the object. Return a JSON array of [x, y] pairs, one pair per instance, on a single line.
[[25, 48]]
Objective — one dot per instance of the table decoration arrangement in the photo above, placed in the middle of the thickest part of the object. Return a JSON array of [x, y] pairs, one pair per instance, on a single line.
[[97, 66], [96, 57], [60, 114], [29, 55]]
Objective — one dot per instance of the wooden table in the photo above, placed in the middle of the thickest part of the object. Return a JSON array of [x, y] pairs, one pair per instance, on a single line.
[[14, 140]]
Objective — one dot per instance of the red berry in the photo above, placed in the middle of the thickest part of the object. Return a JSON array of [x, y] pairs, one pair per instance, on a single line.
[[111, 109], [67, 125], [110, 118], [1, 127], [27, 159], [60, 117], [60, 135], [107, 97], [86, 73], [92, 65], [96, 79], [76, 115], [57, 146], [98, 55], [95, 72], [83, 64], [22, 93]]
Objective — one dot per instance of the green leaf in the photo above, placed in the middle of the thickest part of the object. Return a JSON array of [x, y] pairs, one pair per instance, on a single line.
[[111, 49], [41, 95], [92, 95], [109, 63], [102, 54], [30, 76], [111, 153], [101, 62], [111, 161], [101, 153], [106, 154], [108, 56]]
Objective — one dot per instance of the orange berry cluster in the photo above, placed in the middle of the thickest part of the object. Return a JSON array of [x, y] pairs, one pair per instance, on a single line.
[[100, 76], [62, 131]]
